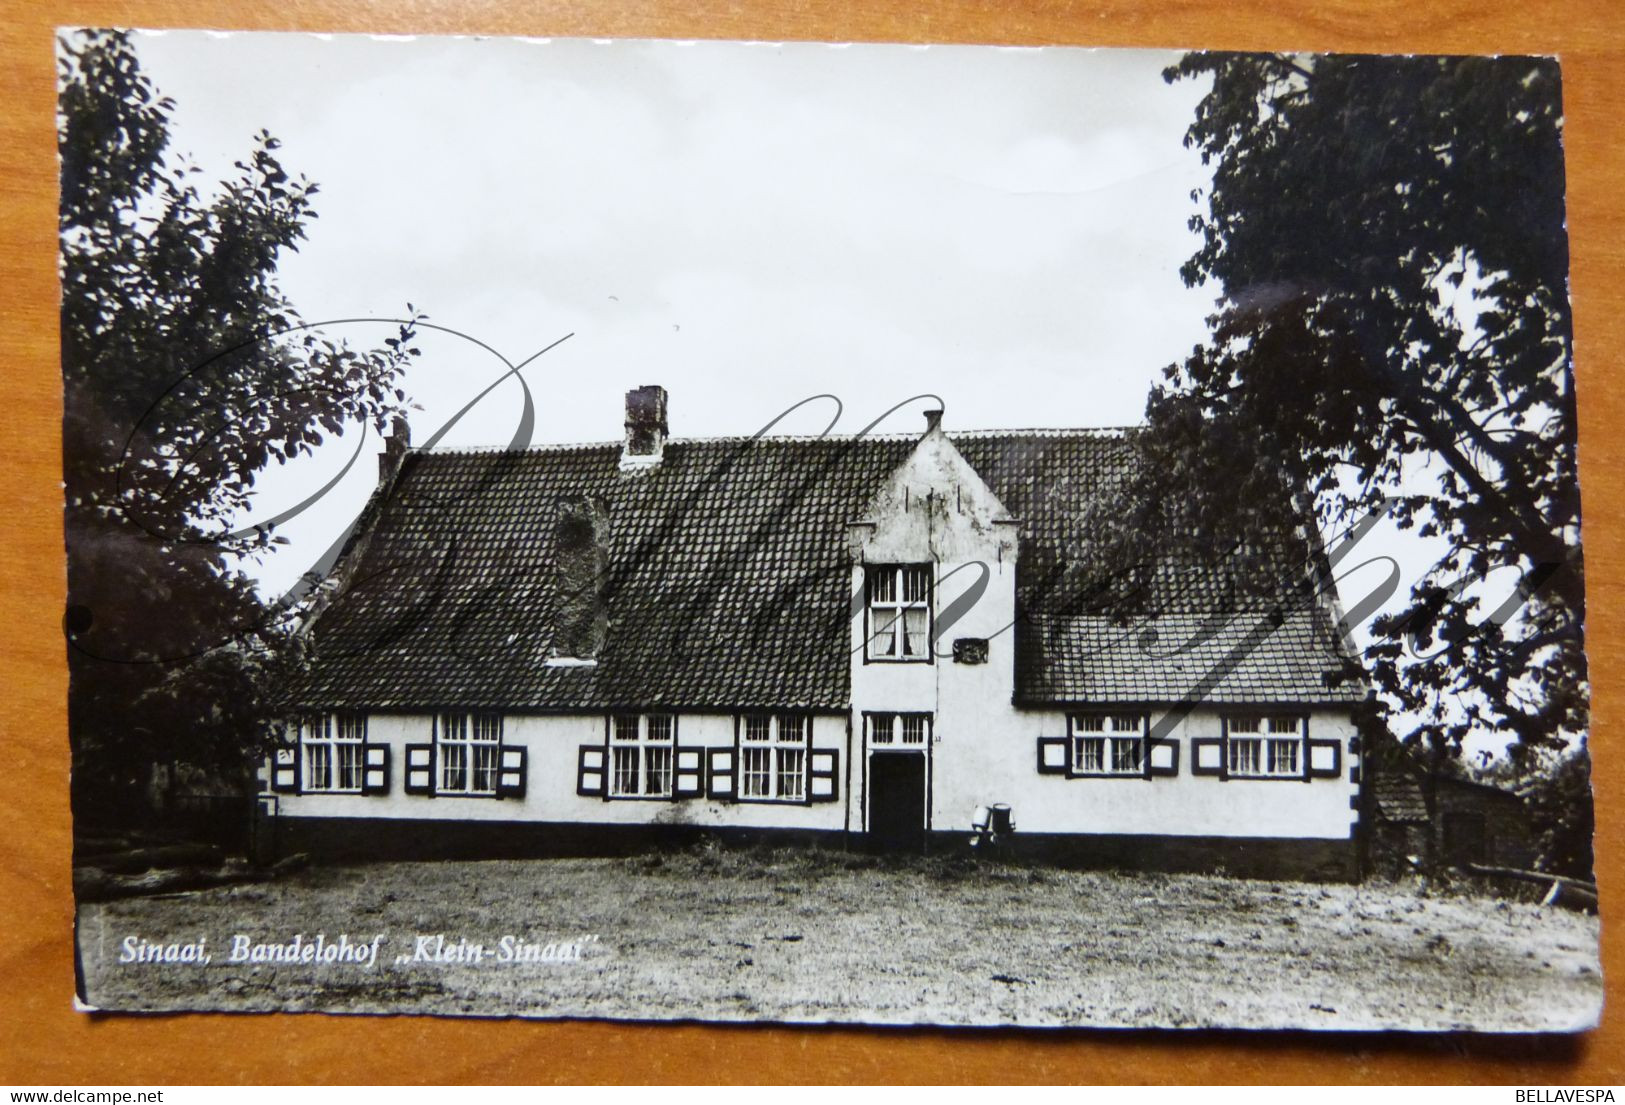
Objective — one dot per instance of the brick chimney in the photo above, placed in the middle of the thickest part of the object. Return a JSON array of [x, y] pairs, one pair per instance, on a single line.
[[395, 447], [646, 428], [581, 559]]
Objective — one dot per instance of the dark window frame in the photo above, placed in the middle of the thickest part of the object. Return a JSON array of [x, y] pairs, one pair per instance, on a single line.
[[774, 745], [900, 632], [643, 744], [468, 742], [896, 743], [330, 722], [1074, 736], [1264, 736]]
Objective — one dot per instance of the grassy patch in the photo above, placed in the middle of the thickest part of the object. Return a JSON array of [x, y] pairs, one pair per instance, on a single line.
[[800, 934]]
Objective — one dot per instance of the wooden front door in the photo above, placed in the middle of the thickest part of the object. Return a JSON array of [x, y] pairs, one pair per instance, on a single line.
[[897, 801]]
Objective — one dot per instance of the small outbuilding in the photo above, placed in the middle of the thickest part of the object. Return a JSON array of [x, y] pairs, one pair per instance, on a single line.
[[1472, 822]]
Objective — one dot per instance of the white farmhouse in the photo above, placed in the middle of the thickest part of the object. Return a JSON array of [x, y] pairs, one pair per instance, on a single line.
[[855, 639]]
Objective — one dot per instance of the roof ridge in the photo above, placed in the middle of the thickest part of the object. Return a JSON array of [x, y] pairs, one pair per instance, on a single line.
[[1099, 433], [732, 582]]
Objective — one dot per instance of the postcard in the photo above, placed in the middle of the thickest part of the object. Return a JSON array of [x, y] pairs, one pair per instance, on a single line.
[[870, 534]]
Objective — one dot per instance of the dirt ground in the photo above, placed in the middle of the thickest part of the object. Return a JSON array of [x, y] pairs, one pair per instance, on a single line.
[[815, 937]]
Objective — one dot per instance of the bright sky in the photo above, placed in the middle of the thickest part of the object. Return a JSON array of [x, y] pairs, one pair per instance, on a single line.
[[747, 225]]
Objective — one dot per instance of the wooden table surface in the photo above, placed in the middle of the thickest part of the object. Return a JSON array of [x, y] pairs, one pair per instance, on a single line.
[[45, 1042]]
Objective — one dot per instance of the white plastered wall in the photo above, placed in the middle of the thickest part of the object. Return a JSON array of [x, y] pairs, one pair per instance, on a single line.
[[552, 743]]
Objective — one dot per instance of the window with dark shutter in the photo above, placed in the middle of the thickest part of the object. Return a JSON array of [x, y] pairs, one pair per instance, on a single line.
[[1265, 747], [511, 772], [721, 773], [690, 779], [285, 769], [419, 769], [590, 771], [468, 747], [773, 757], [332, 753], [1109, 744], [822, 782], [1325, 759], [1053, 758], [1162, 758], [375, 769], [1207, 756], [642, 748]]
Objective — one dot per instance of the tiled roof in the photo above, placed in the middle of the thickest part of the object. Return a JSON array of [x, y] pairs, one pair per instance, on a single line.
[[1398, 794], [729, 583], [1240, 656], [1397, 789]]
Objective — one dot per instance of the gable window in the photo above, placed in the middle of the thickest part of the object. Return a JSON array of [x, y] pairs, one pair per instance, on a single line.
[[1108, 744], [773, 757], [899, 730], [899, 611], [1265, 747], [332, 752], [470, 750], [641, 748]]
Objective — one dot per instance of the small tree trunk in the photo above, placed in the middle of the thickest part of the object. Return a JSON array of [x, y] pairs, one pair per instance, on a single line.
[[1432, 860]]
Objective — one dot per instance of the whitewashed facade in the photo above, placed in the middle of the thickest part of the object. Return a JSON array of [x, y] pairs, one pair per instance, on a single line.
[[1252, 777]]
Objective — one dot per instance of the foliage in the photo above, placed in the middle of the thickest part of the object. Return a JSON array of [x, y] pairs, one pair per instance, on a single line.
[[1387, 237], [1562, 815], [185, 373]]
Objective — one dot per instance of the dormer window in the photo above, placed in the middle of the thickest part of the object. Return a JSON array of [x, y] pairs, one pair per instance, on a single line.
[[899, 612]]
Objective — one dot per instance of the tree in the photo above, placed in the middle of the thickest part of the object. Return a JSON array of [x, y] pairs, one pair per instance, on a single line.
[[1392, 334], [1558, 796], [185, 373]]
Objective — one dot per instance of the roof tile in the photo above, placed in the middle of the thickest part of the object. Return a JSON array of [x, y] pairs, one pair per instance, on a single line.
[[728, 584]]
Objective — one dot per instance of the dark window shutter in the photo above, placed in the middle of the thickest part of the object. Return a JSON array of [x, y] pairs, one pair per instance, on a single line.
[[511, 771], [419, 769], [375, 769], [1054, 756], [689, 780], [822, 782], [1325, 759], [1207, 756], [285, 769], [721, 772], [1161, 758], [590, 769]]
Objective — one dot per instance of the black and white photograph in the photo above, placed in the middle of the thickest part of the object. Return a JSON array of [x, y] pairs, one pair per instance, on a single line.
[[818, 533]]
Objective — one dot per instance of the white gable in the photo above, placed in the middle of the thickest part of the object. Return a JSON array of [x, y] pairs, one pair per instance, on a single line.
[[935, 507]]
